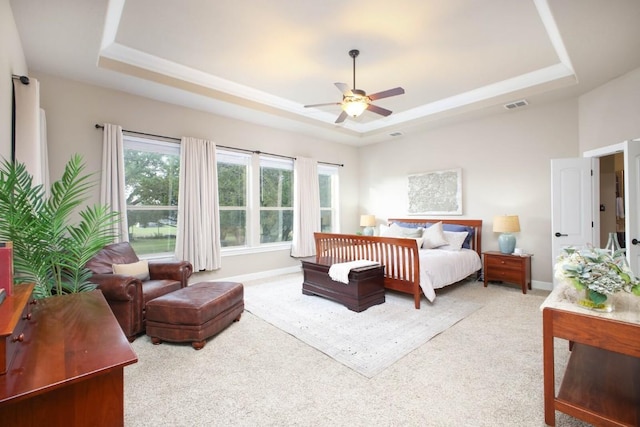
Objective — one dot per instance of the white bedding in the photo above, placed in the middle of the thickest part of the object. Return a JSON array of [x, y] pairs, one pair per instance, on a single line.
[[340, 271], [439, 268]]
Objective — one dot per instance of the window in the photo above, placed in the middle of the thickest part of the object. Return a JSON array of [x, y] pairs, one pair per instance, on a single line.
[[152, 169], [255, 194], [247, 181], [233, 188], [276, 200], [328, 177]]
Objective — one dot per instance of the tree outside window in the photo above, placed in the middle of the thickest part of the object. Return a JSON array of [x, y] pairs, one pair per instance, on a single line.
[[233, 178], [255, 194], [276, 200], [152, 170]]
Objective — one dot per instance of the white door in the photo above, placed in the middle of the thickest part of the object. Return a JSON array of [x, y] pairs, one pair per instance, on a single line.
[[571, 204], [632, 203]]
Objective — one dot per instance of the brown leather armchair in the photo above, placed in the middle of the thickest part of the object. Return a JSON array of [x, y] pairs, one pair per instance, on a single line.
[[127, 295]]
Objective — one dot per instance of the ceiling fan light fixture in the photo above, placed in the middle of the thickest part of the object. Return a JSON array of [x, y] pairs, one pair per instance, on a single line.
[[355, 101], [355, 105]]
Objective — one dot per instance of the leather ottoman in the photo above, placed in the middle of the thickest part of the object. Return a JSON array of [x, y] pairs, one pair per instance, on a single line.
[[194, 313]]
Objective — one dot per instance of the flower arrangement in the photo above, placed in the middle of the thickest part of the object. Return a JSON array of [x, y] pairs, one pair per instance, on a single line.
[[599, 272]]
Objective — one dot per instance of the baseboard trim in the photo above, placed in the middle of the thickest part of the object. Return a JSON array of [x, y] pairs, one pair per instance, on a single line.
[[250, 276], [545, 286], [535, 284]]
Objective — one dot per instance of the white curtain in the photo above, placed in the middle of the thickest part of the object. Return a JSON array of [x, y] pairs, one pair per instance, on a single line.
[[198, 235], [112, 179], [306, 207], [30, 148]]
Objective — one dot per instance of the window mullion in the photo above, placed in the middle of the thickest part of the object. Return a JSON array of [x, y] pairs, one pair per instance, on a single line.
[[253, 199]]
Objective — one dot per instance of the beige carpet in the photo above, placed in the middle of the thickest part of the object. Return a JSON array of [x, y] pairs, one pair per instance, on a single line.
[[367, 342], [484, 371]]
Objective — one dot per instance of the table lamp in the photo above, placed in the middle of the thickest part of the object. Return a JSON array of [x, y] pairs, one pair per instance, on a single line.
[[506, 224], [368, 222]]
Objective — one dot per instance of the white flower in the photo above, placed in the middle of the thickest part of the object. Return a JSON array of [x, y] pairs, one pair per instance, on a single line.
[[597, 270]]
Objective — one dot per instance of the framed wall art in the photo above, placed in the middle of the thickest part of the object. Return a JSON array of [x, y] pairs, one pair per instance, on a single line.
[[436, 193]]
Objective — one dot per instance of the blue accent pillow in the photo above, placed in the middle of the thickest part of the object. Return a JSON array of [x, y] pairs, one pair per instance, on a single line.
[[414, 224], [457, 227], [446, 227]]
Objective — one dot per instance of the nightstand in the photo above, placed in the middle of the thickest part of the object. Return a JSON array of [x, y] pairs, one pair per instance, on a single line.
[[507, 268]]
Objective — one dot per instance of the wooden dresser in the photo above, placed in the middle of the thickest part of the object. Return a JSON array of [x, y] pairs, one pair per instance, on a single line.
[[15, 312], [67, 368]]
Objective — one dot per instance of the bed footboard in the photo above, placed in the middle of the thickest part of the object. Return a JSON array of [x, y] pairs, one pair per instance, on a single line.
[[399, 257]]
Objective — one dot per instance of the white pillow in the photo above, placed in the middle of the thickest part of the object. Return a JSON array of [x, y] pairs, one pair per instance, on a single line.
[[434, 237], [138, 269], [419, 241], [455, 239], [394, 230]]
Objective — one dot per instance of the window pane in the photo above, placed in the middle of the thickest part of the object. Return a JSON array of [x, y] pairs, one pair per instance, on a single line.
[[233, 227], [325, 191], [151, 179], [152, 231], [152, 171], [232, 184], [233, 175], [276, 188], [326, 225], [328, 180], [276, 226]]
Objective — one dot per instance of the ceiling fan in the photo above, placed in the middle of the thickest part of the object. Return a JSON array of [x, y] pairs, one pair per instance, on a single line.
[[355, 101]]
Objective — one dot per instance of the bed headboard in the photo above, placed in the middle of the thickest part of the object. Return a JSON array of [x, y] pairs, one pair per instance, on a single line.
[[476, 224]]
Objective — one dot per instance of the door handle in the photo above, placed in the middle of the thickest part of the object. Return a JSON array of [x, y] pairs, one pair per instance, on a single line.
[[560, 234], [635, 241]]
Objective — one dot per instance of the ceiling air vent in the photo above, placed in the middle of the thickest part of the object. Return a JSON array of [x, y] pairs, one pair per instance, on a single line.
[[395, 134], [516, 104]]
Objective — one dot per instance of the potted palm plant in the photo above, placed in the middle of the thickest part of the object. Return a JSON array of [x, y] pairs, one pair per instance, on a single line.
[[53, 235]]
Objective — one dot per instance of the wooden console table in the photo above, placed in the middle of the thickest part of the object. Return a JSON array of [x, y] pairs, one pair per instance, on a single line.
[[68, 368], [600, 383]]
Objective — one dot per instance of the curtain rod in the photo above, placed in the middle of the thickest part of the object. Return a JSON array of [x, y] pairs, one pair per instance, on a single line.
[[23, 79], [222, 146]]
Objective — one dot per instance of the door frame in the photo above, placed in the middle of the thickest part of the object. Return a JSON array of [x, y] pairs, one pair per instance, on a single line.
[[620, 147]]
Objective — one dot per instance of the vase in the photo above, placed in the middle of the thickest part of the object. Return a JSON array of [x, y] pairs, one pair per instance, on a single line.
[[596, 302], [612, 244]]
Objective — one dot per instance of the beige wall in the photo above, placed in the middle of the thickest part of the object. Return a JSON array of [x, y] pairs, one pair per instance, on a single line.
[[74, 108], [504, 158], [12, 61], [505, 162], [610, 113]]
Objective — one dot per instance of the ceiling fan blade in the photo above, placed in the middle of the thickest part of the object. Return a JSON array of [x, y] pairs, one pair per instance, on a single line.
[[344, 88], [322, 105], [378, 110], [341, 117], [387, 93]]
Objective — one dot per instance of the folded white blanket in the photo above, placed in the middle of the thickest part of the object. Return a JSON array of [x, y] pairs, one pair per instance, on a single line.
[[340, 272]]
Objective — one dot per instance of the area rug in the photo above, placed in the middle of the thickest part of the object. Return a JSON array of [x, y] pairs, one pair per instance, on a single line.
[[367, 342]]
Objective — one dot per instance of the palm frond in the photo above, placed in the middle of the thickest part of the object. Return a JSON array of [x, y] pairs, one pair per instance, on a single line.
[[49, 249]]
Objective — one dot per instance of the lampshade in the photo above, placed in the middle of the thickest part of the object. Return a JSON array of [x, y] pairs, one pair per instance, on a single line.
[[355, 105], [506, 224], [367, 220]]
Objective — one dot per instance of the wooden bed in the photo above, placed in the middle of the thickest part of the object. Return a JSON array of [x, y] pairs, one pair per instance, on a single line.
[[399, 256]]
